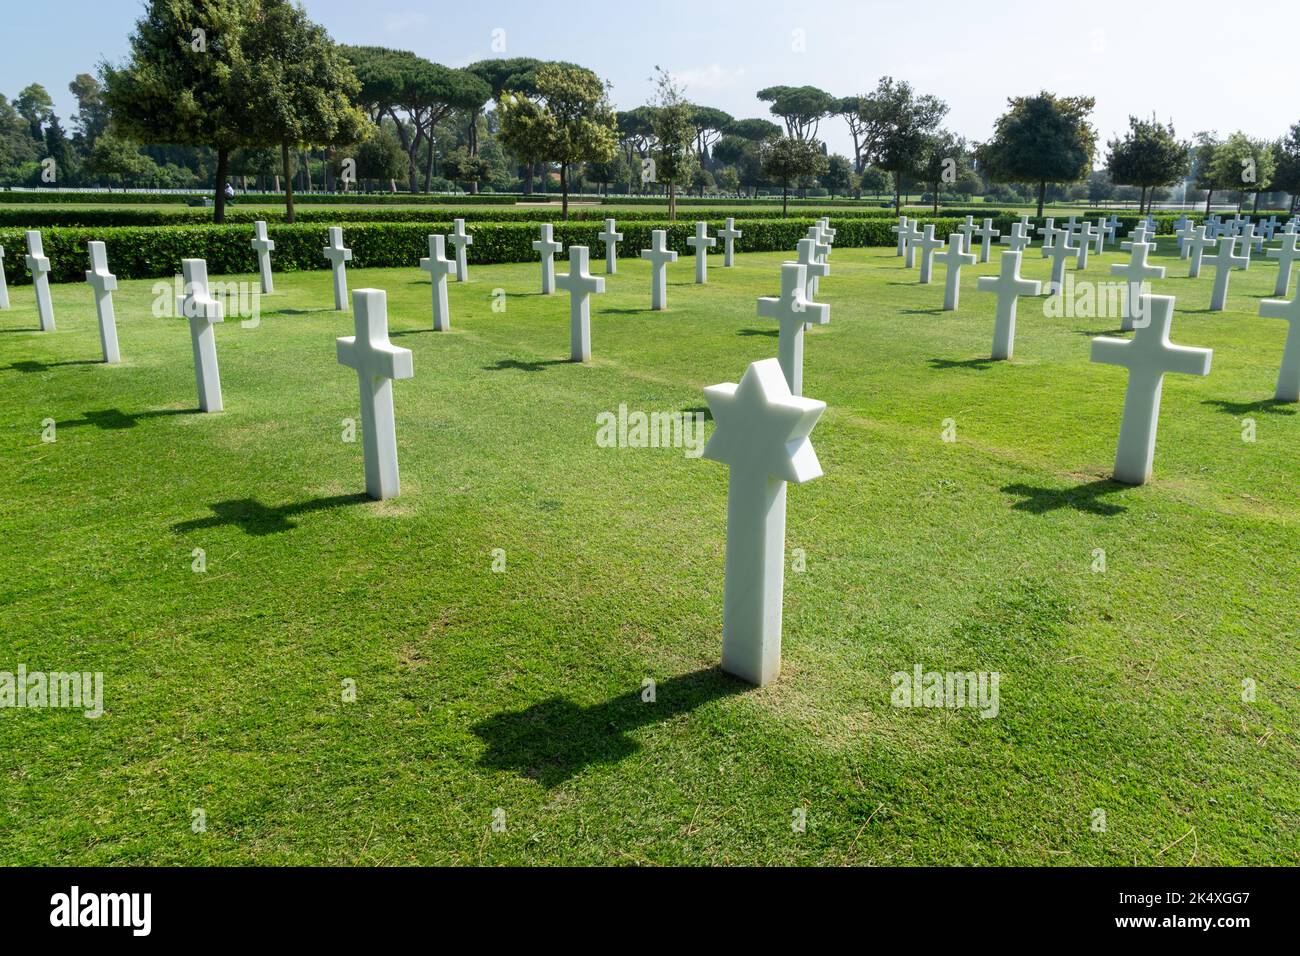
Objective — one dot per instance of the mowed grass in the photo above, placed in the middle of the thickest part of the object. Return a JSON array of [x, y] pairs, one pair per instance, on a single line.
[[522, 691]]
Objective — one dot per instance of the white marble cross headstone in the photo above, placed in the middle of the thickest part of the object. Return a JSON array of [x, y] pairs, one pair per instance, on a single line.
[[1249, 242], [1059, 252], [1018, 238], [1009, 287], [1100, 247], [263, 246], [611, 239], [338, 256], [659, 256], [1137, 271], [1147, 356], [1088, 234], [4, 285], [1288, 377], [1139, 234], [762, 433], [987, 234], [439, 267], [1197, 243], [913, 236], [461, 239], [102, 283], [1223, 261], [377, 362], [899, 230], [701, 242], [821, 254], [813, 269], [793, 311], [827, 231], [966, 228], [1184, 234], [729, 234], [927, 247], [1048, 231], [548, 247], [202, 310], [580, 285], [1285, 255], [954, 259], [39, 266]]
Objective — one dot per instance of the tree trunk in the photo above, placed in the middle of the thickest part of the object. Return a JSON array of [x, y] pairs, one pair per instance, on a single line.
[[1209, 194], [1042, 193], [528, 179], [219, 201], [1254, 210], [564, 191], [288, 183], [672, 202], [898, 188], [785, 200]]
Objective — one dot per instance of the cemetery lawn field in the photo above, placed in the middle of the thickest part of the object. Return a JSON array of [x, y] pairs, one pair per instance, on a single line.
[[518, 695]]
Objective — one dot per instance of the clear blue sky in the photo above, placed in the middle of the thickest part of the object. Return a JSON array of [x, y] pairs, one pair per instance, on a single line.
[[1201, 64]]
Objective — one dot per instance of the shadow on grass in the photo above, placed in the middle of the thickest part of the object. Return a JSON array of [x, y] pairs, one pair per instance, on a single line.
[[255, 518], [699, 410], [552, 740], [1092, 332], [925, 311], [1084, 498], [506, 365], [114, 418], [1272, 405], [979, 364], [770, 333], [29, 365]]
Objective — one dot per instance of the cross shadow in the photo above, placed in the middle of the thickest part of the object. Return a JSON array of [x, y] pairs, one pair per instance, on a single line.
[[255, 518], [28, 365], [770, 333], [925, 311], [1092, 332], [518, 366], [555, 739], [979, 364], [111, 419], [646, 311], [1084, 498], [1272, 405], [700, 410]]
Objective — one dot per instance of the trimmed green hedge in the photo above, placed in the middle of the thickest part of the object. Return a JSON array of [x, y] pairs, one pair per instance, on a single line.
[[150, 252], [56, 218], [181, 199]]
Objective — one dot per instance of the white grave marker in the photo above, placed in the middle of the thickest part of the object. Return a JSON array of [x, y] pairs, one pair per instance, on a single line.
[[900, 231], [611, 239], [1009, 287], [987, 234], [913, 236], [1196, 246], [762, 433], [202, 311], [793, 312], [102, 283], [1137, 271], [812, 268], [263, 246], [439, 267], [39, 266], [701, 243], [954, 259], [548, 247], [338, 256], [1147, 356], [461, 240], [1018, 238], [580, 285], [1223, 261], [1288, 377], [729, 234], [659, 256], [1285, 255], [1059, 253], [377, 362], [966, 228], [927, 246], [4, 285]]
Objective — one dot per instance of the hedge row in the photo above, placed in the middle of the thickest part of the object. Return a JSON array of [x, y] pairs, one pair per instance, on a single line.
[[55, 218], [181, 199], [141, 253]]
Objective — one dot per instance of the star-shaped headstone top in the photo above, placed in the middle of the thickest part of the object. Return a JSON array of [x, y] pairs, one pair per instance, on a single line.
[[761, 428]]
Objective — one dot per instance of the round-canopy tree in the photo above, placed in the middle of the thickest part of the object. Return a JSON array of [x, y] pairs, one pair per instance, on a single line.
[[1041, 139], [1150, 155], [800, 107]]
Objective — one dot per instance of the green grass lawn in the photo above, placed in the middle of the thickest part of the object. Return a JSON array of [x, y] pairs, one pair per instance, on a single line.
[[1120, 691]]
